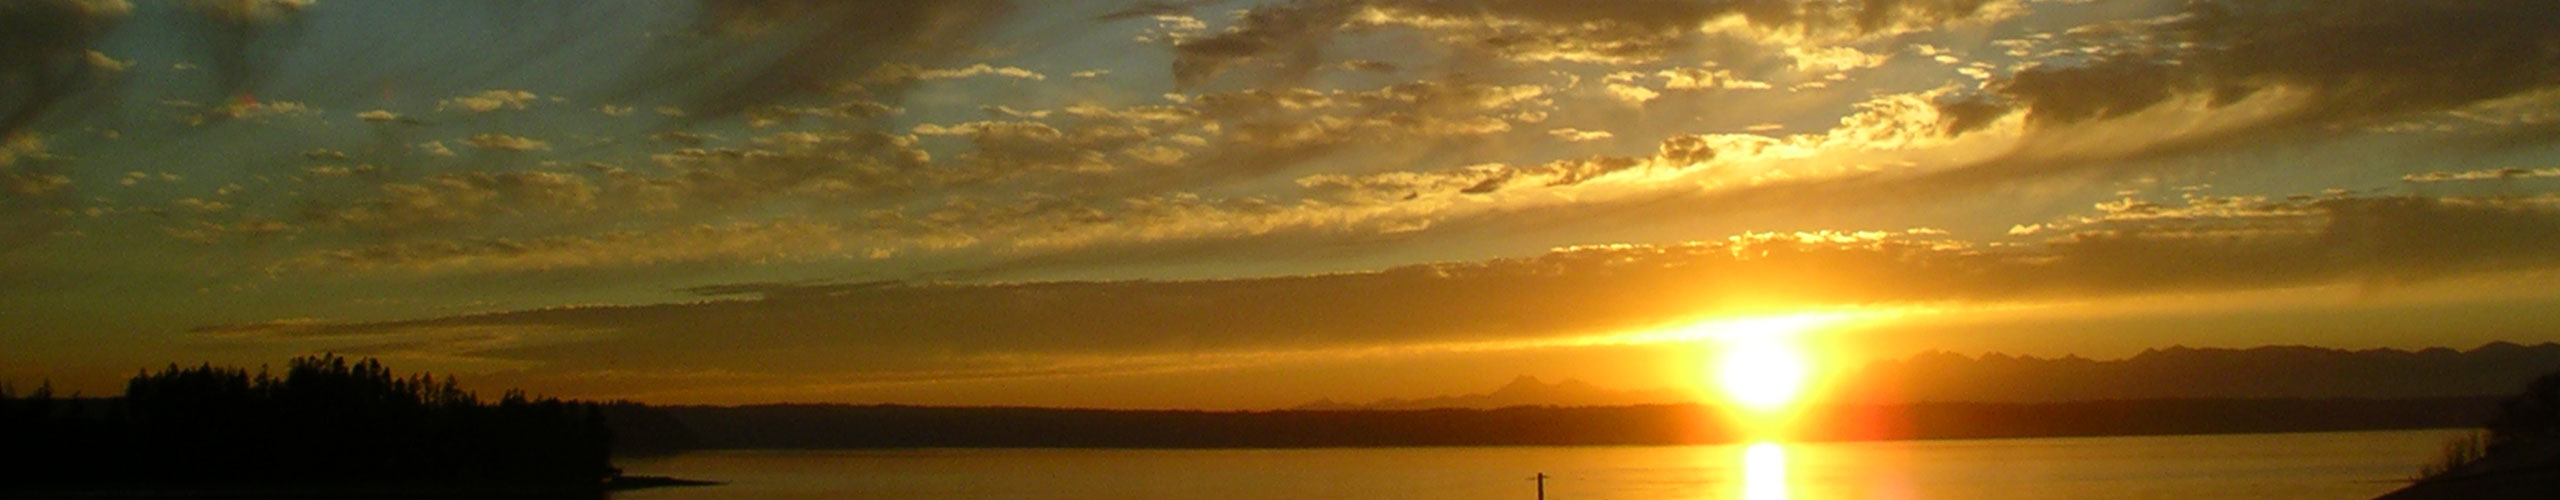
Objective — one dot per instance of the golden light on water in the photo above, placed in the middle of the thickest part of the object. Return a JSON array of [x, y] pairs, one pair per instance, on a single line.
[[1764, 367], [1764, 472]]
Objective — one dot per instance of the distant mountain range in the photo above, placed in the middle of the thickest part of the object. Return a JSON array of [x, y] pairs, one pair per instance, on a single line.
[[2271, 372], [2176, 390], [2180, 372]]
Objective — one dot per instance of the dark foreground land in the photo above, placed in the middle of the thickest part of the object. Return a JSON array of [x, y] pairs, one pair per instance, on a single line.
[[324, 428], [370, 492], [2514, 456]]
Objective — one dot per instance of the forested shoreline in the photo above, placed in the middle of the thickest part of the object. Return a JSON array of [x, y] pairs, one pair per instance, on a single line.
[[323, 421]]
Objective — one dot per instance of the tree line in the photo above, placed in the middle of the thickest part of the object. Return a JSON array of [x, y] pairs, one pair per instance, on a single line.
[[325, 421]]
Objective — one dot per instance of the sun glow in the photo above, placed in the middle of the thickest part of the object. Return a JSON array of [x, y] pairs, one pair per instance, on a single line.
[[1762, 374], [1760, 365]]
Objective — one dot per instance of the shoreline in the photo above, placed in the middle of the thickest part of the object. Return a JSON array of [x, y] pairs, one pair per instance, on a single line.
[[615, 484]]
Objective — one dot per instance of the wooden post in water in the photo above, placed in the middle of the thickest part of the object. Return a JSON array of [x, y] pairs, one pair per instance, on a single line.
[[1541, 478]]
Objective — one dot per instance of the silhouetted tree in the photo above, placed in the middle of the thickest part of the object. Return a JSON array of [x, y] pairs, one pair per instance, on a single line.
[[2533, 415], [327, 420]]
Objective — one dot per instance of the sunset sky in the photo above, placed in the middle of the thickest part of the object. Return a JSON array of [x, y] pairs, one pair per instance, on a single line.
[[1236, 204]]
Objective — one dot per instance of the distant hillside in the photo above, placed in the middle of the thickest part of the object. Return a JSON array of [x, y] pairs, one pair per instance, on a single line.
[[2181, 372]]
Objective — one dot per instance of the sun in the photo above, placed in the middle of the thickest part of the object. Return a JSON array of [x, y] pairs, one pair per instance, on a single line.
[[1760, 367], [1762, 373]]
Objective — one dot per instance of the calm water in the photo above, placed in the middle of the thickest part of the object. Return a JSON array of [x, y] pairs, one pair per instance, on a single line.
[[2353, 465]]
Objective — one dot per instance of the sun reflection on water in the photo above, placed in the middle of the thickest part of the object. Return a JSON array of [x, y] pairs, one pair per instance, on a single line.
[[1764, 472]]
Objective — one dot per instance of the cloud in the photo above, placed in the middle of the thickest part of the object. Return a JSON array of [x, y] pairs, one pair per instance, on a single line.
[[458, 198], [34, 183], [102, 61], [1885, 128], [2482, 175], [779, 239], [35, 191], [1214, 136], [1833, 59], [251, 109], [1570, 134], [1303, 119], [210, 232], [1013, 228], [200, 205], [1632, 94], [834, 165], [487, 101], [1471, 180], [1289, 39], [905, 73], [435, 148], [854, 110], [1005, 148], [503, 142], [134, 178], [1370, 66], [1705, 79]]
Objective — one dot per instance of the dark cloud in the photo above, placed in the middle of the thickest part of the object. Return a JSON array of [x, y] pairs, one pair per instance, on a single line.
[[771, 51], [1966, 115], [244, 39], [1294, 32], [1890, 15], [45, 48], [2106, 89], [2339, 67], [1153, 8], [2356, 60]]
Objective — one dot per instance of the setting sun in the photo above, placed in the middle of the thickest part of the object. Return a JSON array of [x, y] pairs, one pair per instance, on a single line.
[[1761, 374], [1760, 364]]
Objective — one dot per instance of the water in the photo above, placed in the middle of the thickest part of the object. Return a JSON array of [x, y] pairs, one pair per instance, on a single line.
[[2349, 465]]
